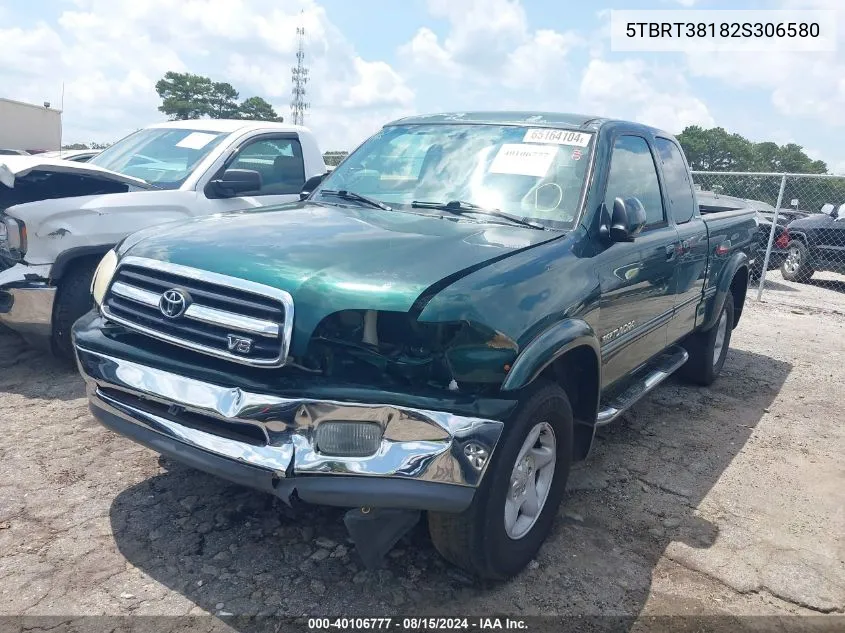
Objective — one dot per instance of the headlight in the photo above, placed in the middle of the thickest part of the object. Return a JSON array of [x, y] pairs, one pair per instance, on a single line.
[[13, 232], [102, 277]]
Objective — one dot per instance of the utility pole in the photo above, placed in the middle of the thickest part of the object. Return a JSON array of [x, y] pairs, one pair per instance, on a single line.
[[299, 77]]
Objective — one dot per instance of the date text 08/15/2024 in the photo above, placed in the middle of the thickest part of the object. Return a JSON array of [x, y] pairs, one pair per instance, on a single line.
[[417, 623]]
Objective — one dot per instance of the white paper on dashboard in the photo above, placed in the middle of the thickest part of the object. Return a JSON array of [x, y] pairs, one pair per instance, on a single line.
[[196, 140], [523, 159]]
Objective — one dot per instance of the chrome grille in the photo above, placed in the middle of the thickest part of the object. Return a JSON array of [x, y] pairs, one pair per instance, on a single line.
[[222, 316]]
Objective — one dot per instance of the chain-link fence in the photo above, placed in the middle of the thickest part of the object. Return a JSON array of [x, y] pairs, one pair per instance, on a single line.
[[799, 254]]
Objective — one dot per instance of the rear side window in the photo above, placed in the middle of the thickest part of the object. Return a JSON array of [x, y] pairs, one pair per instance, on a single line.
[[679, 189], [634, 174]]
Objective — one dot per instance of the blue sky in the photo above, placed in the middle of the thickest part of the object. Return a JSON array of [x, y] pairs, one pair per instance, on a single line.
[[374, 60]]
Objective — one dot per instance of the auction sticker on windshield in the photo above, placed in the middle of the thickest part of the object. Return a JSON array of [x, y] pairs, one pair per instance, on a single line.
[[523, 160], [557, 137]]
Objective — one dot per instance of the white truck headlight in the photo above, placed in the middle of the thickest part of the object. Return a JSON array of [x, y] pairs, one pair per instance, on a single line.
[[103, 276]]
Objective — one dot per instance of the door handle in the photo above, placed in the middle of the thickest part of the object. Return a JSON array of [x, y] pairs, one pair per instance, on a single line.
[[685, 246]]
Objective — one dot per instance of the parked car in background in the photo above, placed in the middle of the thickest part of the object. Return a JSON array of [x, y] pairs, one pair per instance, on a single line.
[[710, 202], [59, 217], [76, 155], [441, 325], [13, 152], [815, 243]]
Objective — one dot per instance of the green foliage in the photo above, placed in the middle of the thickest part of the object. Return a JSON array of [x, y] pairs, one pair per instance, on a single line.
[[715, 150], [223, 101], [258, 109], [189, 96], [184, 95], [87, 146]]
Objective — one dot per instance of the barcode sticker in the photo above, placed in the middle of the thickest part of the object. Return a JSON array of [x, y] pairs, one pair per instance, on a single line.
[[557, 137]]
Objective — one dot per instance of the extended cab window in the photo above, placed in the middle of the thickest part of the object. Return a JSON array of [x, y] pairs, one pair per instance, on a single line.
[[278, 160], [633, 174], [676, 176]]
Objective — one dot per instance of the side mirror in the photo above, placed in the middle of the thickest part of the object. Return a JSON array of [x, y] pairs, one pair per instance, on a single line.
[[828, 209], [311, 184], [627, 219], [236, 181], [839, 214]]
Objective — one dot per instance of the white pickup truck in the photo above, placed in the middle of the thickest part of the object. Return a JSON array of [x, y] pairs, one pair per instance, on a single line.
[[58, 218]]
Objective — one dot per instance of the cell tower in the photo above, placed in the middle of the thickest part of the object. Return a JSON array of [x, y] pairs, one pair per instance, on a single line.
[[299, 77]]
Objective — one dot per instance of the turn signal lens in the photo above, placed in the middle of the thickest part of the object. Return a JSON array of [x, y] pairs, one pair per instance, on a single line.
[[348, 438]]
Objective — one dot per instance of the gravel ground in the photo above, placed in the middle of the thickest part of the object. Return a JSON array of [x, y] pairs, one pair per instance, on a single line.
[[721, 500]]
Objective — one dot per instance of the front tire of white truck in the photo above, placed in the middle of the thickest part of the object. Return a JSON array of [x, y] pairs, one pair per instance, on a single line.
[[73, 299], [516, 504]]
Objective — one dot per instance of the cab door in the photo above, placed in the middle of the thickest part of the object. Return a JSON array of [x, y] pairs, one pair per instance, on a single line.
[[693, 243], [636, 278]]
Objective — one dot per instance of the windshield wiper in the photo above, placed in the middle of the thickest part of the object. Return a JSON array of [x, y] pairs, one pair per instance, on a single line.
[[356, 197], [460, 207]]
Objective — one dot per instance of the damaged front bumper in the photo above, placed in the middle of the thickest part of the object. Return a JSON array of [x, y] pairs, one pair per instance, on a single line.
[[26, 302], [424, 460]]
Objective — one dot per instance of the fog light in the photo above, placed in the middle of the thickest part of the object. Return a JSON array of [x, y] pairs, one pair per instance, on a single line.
[[348, 439]]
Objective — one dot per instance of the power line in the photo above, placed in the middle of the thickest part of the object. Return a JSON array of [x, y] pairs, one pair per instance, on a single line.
[[299, 77]]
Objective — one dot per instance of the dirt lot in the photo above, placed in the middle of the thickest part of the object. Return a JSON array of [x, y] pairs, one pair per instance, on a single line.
[[726, 500]]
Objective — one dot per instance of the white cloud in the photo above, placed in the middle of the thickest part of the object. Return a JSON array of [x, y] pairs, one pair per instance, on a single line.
[[110, 53], [632, 89], [489, 43]]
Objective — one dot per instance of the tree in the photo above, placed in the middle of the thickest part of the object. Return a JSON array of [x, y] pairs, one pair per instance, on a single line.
[[717, 150], [256, 108], [189, 96], [222, 101], [184, 95]]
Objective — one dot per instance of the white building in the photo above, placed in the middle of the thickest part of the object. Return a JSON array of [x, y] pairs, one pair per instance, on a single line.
[[29, 127]]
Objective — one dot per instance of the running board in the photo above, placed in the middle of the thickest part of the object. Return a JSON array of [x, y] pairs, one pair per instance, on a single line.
[[663, 366]]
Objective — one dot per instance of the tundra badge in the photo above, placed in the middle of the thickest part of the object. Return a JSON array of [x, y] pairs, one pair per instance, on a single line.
[[239, 344], [623, 329]]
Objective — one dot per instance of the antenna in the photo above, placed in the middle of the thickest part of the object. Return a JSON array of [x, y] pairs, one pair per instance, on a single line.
[[299, 77]]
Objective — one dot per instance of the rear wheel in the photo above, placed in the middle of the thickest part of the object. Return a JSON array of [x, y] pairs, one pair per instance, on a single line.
[[515, 506], [73, 299], [708, 349], [796, 266]]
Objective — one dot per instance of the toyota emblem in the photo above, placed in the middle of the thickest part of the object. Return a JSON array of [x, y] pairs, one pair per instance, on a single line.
[[173, 303]]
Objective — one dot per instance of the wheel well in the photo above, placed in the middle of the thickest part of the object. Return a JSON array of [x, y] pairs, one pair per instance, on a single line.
[[577, 371], [82, 261], [739, 290]]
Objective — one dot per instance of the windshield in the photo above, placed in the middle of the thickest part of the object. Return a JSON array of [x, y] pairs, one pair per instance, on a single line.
[[528, 172], [162, 156]]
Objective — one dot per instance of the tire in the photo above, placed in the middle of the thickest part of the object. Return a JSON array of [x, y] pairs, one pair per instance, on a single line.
[[796, 267], [477, 539], [73, 299], [708, 349]]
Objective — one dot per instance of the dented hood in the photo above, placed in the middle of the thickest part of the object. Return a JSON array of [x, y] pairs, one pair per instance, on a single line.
[[332, 258], [13, 168]]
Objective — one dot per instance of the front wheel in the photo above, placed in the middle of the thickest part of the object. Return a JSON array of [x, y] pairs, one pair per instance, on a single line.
[[73, 299], [796, 266], [515, 506]]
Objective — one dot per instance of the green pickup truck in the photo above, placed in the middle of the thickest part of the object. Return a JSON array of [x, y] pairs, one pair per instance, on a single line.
[[438, 327]]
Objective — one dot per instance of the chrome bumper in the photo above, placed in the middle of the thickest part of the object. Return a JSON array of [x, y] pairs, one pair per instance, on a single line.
[[417, 445], [28, 310]]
